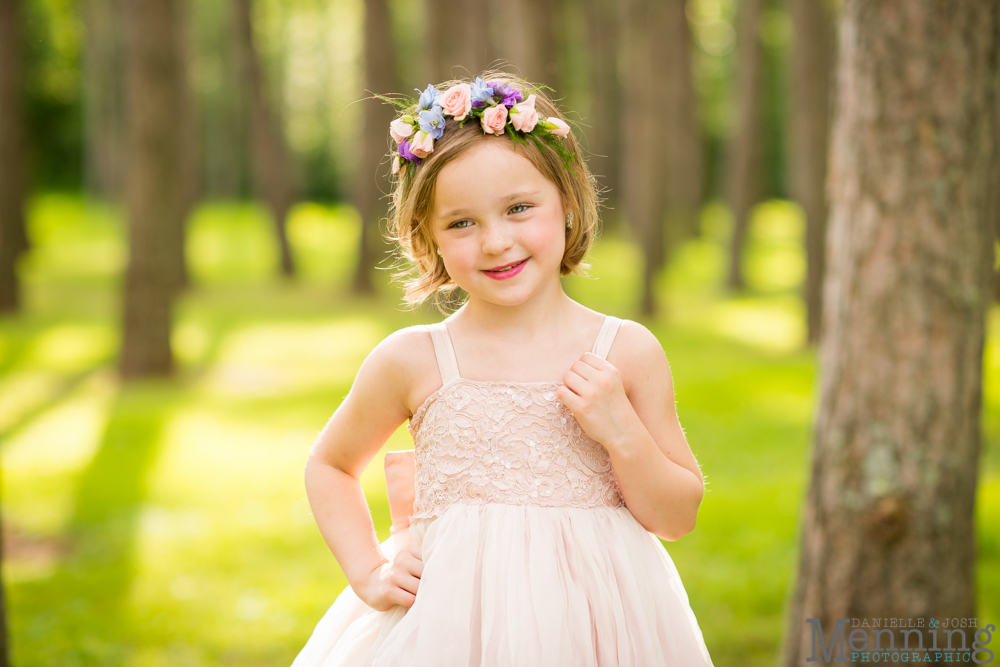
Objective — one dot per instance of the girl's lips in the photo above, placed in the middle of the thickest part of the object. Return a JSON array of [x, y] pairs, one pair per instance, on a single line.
[[510, 272]]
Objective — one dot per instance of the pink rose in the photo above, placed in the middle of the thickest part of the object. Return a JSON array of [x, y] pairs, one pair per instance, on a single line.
[[457, 101], [395, 165], [561, 129], [494, 119], [400, 129], [523, 116], [422, 144]]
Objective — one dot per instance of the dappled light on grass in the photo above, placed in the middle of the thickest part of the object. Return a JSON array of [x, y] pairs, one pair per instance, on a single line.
[[269, 359], [166, 523]]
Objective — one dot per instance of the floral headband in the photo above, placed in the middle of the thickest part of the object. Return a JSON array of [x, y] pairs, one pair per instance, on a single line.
[[496, 105]]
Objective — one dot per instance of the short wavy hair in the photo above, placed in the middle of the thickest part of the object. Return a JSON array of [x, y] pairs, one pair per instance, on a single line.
[[413, 195]]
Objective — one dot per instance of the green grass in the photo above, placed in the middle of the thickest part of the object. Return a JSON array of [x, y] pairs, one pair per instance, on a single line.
[[165, 522]]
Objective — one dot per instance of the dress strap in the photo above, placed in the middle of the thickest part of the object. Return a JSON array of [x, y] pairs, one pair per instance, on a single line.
[[445, 352], [607, 336]]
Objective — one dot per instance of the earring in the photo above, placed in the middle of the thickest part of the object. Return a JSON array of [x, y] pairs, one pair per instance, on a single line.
[[569, 221], [439, 252]]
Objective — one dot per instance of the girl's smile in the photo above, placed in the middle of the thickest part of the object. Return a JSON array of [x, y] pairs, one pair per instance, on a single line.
[[506, 271]]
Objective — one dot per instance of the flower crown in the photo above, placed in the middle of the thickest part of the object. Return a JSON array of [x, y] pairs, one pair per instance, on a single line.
[[496, 105]]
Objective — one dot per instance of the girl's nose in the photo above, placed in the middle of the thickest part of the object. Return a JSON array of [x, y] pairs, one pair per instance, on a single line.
[[496, 239]]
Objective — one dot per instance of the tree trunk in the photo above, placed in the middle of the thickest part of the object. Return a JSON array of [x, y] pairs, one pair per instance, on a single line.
[[13, 179], [271, 161], [371, 175], [888, 528], [478, 48], [605, 131], [227, 153], [152, 184], [996, 274], [526, 38], [187, 137], [644, 168], [446, 44], [103, 98], [810, 136], [682, 137], [744, 163]]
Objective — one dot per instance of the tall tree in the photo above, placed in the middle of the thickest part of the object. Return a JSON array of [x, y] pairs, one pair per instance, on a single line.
[[888, 528], [526, 35], [812, 52], [604, 133], [370, 177], [996, 274], [271, 160], [103, 98], [152, 184], [187, 131], [681, 131], [13, 176], [744, 152], [656, 148], [446, 43]]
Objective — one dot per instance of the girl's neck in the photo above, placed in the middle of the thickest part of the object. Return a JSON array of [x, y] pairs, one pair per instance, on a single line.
[[538, 315]]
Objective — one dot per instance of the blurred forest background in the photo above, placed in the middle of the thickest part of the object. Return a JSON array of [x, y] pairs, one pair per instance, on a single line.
[[191, 271]]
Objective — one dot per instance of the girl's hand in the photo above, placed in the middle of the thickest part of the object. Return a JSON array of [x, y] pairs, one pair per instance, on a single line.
[[594, 393], [395, 582]]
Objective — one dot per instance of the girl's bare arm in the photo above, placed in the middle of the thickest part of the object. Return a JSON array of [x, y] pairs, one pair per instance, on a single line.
[[371, 412]]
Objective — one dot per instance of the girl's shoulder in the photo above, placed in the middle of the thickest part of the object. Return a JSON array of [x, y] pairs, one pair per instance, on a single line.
[[408, 354], [636, 353]]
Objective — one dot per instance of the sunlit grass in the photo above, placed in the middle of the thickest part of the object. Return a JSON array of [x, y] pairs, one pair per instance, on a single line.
[[166, 523]]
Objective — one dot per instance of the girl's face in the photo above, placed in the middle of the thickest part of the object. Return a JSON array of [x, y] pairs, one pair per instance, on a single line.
[[500, 225]]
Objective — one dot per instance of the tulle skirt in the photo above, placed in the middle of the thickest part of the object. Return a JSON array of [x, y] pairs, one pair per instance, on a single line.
[[522, 585]]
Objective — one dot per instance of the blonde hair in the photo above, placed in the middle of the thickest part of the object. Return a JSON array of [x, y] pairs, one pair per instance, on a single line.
[[413, 195]]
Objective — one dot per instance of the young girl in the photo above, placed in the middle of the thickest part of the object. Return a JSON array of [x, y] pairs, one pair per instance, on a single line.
[[548, 453]]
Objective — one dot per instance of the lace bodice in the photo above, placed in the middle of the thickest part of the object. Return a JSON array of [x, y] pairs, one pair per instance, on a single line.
[[513, 443]]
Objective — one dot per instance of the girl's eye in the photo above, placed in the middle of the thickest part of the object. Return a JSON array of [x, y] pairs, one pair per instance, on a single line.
[[519, 208], [461, 224]]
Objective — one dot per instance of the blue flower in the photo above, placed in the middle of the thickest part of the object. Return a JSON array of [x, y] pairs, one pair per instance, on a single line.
[[432, 121], [480, 92], [429, 97]]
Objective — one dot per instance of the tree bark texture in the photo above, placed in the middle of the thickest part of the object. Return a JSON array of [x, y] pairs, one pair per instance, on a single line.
[[744, 160], [888, 525], [812, 52], [604, 132], [13, 156], [371, 175], [104, 98], [271, 161], [152, 185]]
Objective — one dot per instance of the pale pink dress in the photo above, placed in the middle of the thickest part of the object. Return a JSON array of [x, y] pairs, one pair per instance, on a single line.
[[530, 556]]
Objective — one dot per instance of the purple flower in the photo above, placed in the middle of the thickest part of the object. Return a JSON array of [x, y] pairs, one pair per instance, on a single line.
[[432, 121], [508, 93], [406, 153]]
